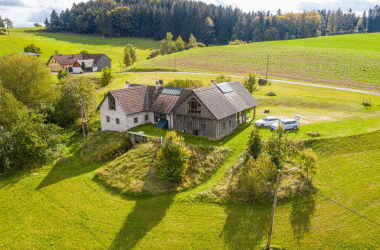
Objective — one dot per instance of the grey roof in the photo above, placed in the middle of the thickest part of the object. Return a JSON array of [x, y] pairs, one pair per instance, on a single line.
[[223, 105]]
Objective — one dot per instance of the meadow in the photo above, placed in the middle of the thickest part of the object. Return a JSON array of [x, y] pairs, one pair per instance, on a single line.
[[345, 60], [63, 205], [70, 43]]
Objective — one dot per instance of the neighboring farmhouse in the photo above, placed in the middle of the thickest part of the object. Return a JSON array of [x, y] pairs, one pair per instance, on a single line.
[[73, 63], [212, 112]]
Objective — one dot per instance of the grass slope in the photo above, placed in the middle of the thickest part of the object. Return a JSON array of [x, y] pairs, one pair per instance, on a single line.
[[71, 43], [345, 60]]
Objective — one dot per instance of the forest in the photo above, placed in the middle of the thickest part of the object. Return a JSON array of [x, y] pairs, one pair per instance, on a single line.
[[210, 24]]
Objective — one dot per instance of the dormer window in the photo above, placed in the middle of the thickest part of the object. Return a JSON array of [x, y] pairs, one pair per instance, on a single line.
[[193, 106], [111, 103]]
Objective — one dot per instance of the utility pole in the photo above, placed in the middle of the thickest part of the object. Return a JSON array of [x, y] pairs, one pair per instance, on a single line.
[[266, 77], [274, 209], [81, 107]]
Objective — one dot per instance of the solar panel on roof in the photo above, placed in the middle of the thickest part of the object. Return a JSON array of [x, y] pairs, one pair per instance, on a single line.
[[224, 87], [172, 91]]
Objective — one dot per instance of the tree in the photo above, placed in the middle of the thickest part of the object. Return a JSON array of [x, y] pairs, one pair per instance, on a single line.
[[254, 144], [222, 78], [308, 161], [277, 147], [172, 158], [68, 107], [106, 77], [37, 25], [8, 24], [167, 45], [84, 52], [11, 110], [132, 52], [250, 83], [28, 79], [62, 74], [32, 48], [192, 41], [83, 66], [127, 59], [179, 44]]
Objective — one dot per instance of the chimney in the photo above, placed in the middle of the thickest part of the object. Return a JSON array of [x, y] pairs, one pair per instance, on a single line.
[[127, 84], [73, 55], [158, 85], [81, 56], [212, 82]]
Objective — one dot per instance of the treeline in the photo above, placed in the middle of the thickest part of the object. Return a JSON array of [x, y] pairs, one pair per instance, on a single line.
[[209, 23]]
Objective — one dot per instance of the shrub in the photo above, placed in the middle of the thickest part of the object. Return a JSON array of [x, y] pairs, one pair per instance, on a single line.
[[222, 78], [153, 54], [188, 84], [254, 182], [262, 82], [106, 77], [236, 42], [62, 74], [32, 48], [255, 144], [250, 83], [172, 158], [314, 133]]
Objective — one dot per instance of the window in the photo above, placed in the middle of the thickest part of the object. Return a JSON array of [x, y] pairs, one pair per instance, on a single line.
[[51, 67], [117, 121], [108, 119], [111, 103], [136, 120], [230, 123], [189, 125], [158, 116], [203, 126], [193, 106], [146, 117], [223, 125], [63, 67]]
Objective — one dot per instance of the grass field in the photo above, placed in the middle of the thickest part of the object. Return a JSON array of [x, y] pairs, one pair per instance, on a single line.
[[345, 60], [70, 43], [64, 206]]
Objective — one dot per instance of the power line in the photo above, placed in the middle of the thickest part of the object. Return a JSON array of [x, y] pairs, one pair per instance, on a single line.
[[327, 198]]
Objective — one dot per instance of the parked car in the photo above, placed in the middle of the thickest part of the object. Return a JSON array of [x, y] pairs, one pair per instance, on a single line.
[[266, 122], [287, 124]]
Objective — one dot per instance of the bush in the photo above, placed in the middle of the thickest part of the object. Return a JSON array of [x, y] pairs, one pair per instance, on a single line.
[[28, 143], [254, 182], [314, 133], [32, 48], [222, 78], [62, 74], [263, 82], [187, 84], [172, 158], [255, 144], [236, 42], [103, 145], [153, 54], [106, 77]]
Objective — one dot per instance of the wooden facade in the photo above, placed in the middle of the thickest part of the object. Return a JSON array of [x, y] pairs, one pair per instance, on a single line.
[[205, 124]]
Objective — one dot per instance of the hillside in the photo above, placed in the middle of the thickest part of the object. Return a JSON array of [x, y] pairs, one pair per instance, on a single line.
[[67, 43], [345, 60]]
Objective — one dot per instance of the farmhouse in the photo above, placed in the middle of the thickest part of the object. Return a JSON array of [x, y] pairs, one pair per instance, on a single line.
[[212, 112], [73, 63]]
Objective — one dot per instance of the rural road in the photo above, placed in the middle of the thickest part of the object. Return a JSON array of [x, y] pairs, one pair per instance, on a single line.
[[273, 80]]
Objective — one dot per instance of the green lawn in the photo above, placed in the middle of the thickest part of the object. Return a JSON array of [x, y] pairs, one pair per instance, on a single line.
[[345, 60], [65, 207], [70, 43]]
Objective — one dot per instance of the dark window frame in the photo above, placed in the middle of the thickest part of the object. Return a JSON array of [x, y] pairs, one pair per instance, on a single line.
[[223, 125], [136, 120], [117, 121], [111, 103], [194, 107], [108, 119], [146, 117]]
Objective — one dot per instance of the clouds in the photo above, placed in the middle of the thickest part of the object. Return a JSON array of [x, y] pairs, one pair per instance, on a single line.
[[10, 3], [356, 6]]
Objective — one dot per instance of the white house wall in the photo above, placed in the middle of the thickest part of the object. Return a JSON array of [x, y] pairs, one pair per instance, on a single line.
[[77, 70], [125, 122]]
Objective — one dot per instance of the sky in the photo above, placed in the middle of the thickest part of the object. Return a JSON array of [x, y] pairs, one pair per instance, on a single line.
[[24, 13]]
